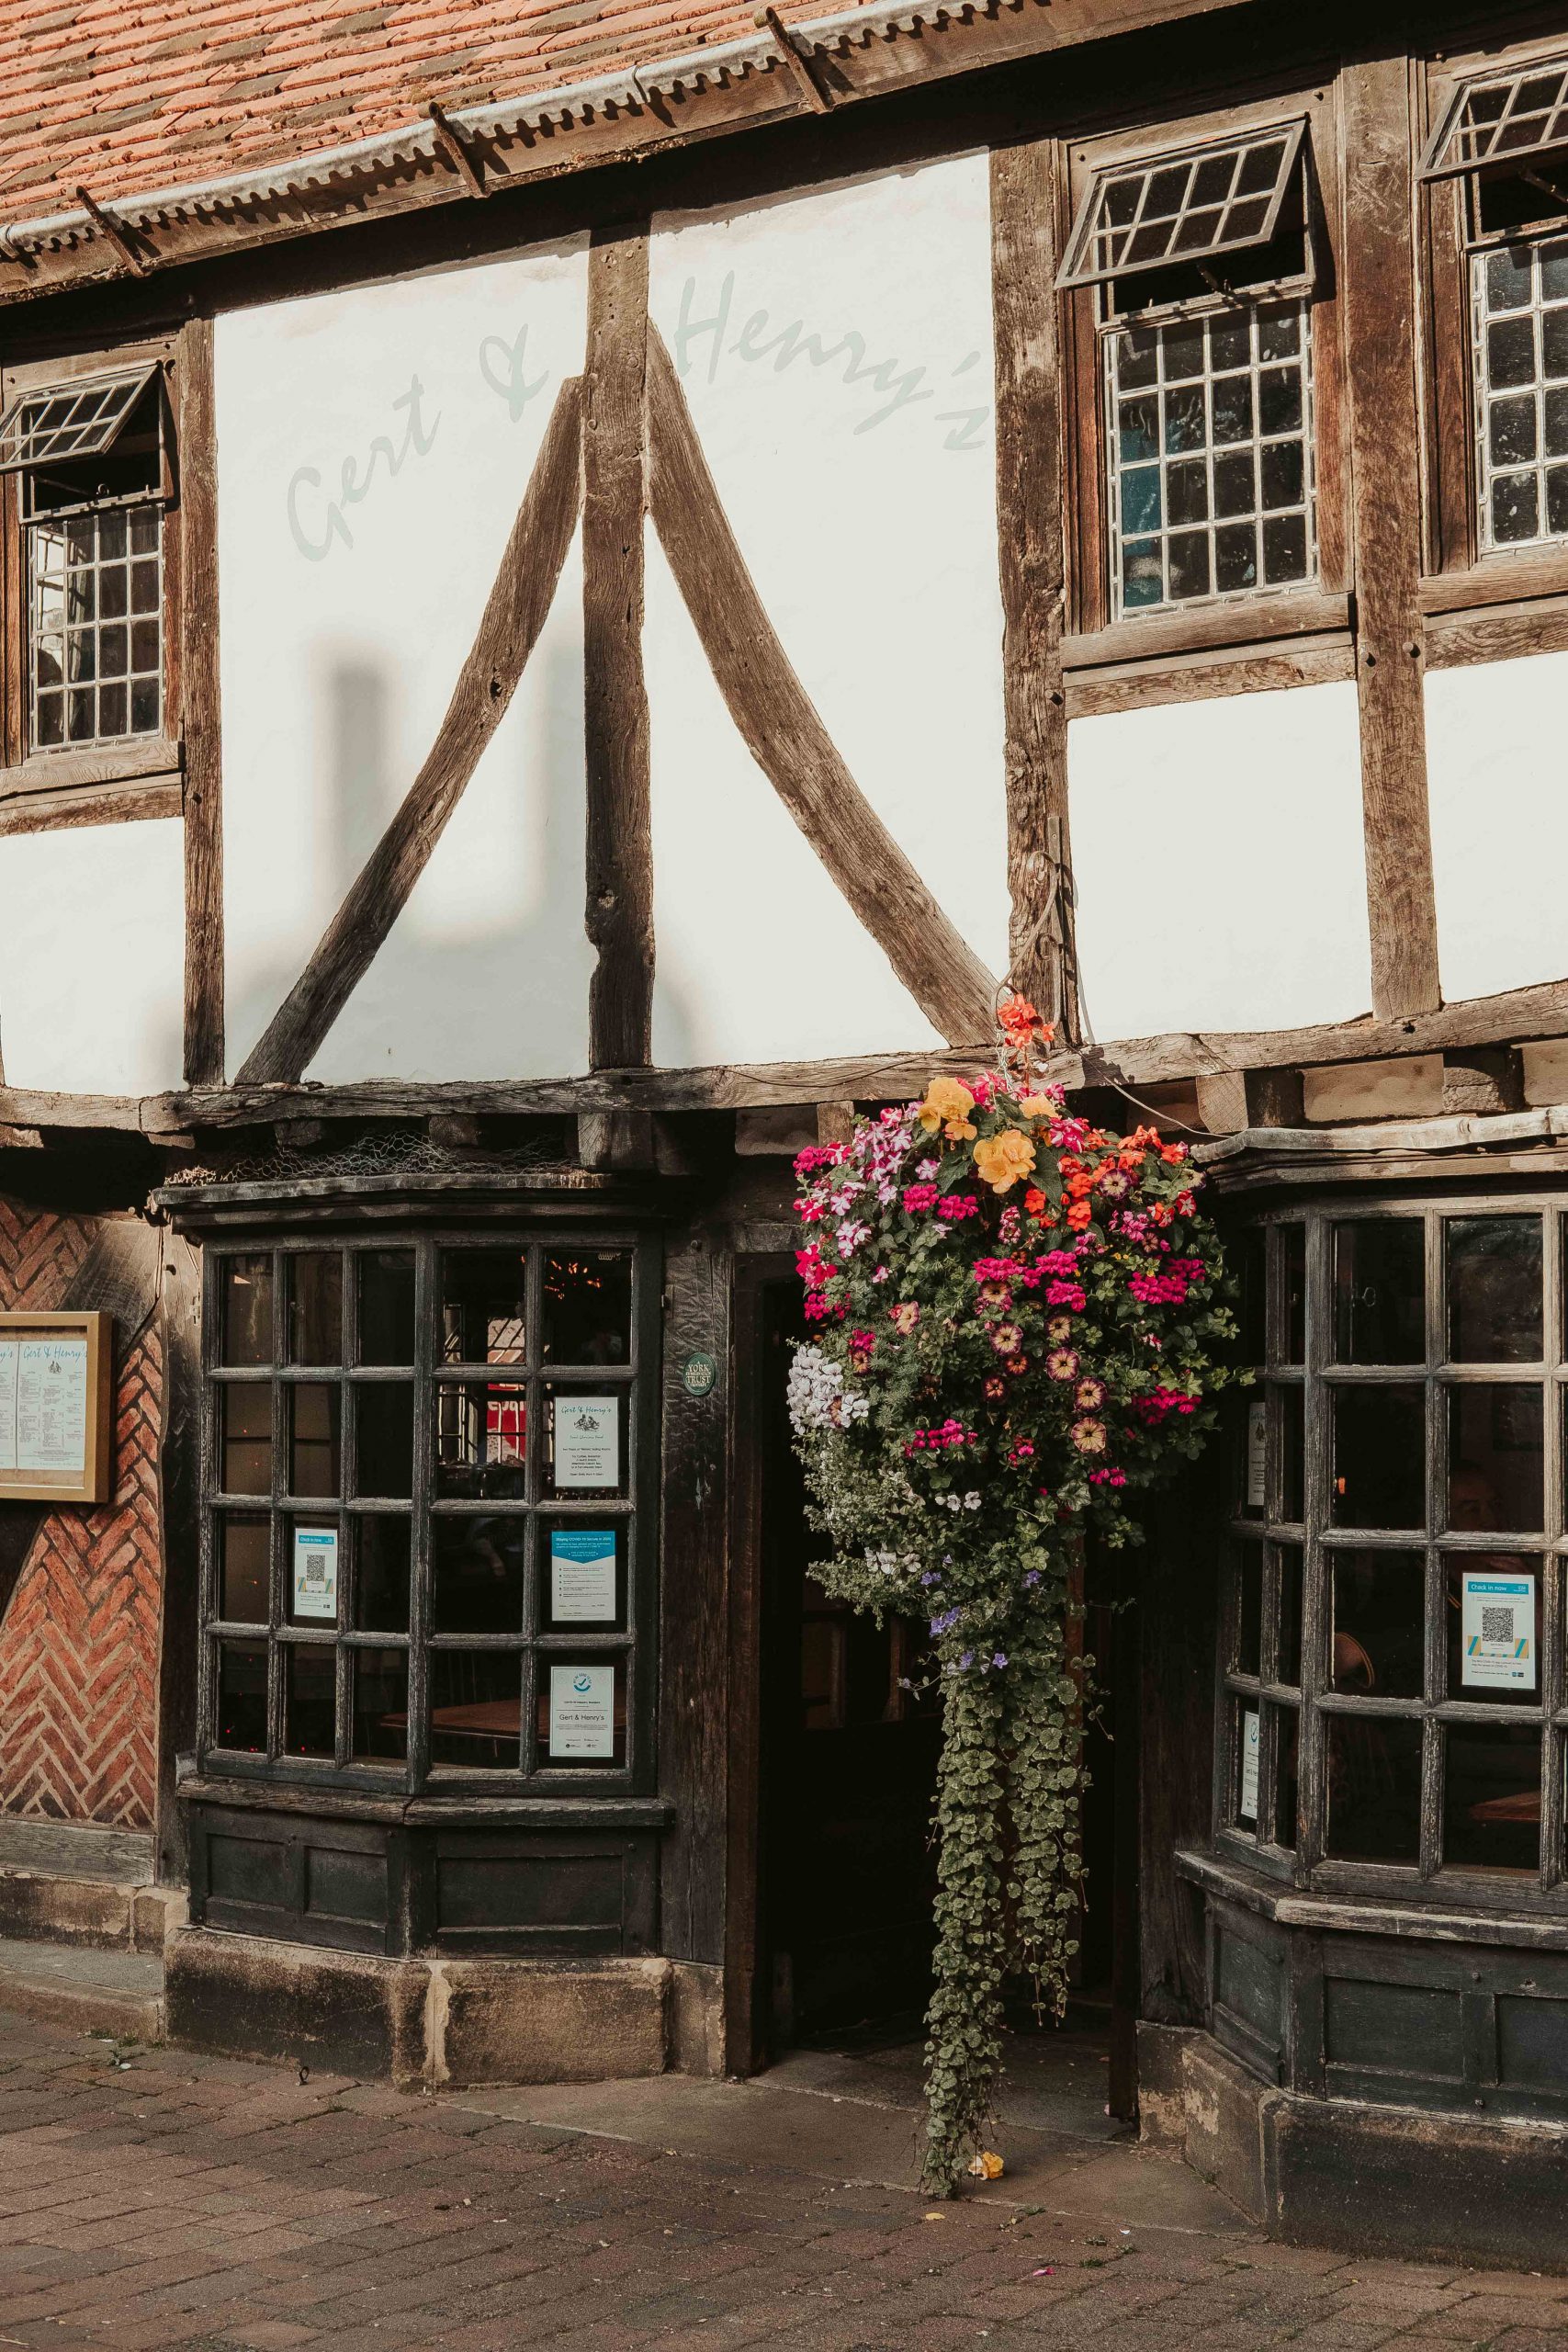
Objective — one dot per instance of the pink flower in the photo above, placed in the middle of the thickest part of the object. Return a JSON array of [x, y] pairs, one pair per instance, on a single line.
[[1022, 1451], [1089, 1435], [1059, 1328], [919, 1199], [1091, 1396], [1067, 1295], [1006, 1338], [1108, 1477], [957, 1207], [904, 1316], [1062, 1364]]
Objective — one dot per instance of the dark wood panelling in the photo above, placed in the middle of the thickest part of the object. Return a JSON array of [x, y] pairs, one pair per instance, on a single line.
[[196, 448], [1025, 208], [508, 631], [614, 498], [1379, 296]]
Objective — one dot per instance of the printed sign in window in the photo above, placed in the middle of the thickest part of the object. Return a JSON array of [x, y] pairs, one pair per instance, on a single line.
[[586, 1441], [315, 1572], [1496, 1630], [582, 1711], [1247, 1808], [582, 1576], [1256, 1453]]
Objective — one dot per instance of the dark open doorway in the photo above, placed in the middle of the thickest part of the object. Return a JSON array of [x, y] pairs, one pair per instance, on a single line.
[[845, 1763]]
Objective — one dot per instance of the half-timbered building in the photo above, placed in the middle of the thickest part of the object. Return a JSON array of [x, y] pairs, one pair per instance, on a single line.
[[578, 584]]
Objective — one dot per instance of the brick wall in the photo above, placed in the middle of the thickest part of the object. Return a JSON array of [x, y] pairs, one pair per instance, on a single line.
[[79, 1641]]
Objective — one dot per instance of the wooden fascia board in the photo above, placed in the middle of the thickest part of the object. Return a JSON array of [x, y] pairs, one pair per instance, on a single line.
[[408, 170], [1521, 1016]]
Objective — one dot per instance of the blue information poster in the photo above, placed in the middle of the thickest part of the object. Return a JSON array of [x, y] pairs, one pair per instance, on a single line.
[[582, 1576]]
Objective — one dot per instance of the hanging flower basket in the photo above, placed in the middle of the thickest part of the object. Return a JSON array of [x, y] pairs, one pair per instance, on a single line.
[[1017, 1319]]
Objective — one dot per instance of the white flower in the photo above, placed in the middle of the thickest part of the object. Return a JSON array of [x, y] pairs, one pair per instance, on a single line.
[[891, 1564], [972, 1500], [816, 1396]]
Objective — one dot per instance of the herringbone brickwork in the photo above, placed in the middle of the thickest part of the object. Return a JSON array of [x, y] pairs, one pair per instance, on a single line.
[[79, 1643]]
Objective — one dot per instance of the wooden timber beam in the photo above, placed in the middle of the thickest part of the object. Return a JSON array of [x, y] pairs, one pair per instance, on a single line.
[[786, 736], [1025, 214], [1379, 273], [619, 912], [200, 689], [508, 631]]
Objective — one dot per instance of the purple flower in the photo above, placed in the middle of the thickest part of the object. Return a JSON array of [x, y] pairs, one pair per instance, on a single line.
[[999, 1657]]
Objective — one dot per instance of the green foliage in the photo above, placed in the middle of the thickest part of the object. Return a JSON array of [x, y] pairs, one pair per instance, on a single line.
[[1019, 1321]]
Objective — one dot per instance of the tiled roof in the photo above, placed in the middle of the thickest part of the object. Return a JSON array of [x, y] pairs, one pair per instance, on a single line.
[[122, 97]]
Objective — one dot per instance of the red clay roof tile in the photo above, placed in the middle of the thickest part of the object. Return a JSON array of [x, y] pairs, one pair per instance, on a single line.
[[126, 99]]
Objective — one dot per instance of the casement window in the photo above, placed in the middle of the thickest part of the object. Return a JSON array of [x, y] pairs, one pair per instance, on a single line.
[[1393, 1701], [90, 466], [1503, 140], [427, 1527], [1202, 262]]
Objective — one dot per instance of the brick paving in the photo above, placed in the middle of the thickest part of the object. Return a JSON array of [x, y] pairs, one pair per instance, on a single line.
[[176, 2201]]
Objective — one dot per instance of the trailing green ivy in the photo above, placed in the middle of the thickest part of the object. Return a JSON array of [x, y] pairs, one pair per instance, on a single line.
[[1018, 1319]]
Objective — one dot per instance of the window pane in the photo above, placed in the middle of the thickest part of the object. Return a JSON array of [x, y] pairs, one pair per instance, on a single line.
[[1293, 1288], [1492, 1797], [386, 1307], [481, 1442], [315, 1452], [476, 1709], [241, 1695], [381, 1687], [1495, 1457], [312, 1577], [1251, 1262], [1380, 1437], [1374, 1790], [244, 1570], [383, 1412], [483, 1302], [1377, 1623], [1288, 1660], [310, 1699], [1290, 1408], [1249, 1754], [1287, 1735], [381, 1598], [1494, 1289], [315, 1307], [585, 1441], [1380, 1291], [581, 1713], [479, 1570], [1249, 1607], [1494, 1627], [245, 1311], [584, 1571], [587, 1306], [246, 1414]]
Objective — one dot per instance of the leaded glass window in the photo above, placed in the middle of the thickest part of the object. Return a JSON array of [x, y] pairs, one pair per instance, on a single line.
[[1224, 197], [1209, 429], [428, 1547], [1521, 297], [1391, 1668]]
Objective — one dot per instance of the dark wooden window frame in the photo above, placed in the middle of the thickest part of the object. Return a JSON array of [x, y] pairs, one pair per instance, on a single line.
[[1310, 1700], [1460, 576], [141, 775], [633, 1649], [1170, 638]]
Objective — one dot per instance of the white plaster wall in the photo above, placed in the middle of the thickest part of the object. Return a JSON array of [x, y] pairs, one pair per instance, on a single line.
[[92, 958], [835, 351], [1217, 848], [339, 657], [1499, 798]]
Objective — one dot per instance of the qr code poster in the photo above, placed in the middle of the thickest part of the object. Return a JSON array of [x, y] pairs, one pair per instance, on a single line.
[[1497, 1631]]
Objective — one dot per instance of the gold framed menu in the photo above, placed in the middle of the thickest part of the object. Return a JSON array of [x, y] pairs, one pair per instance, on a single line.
[[56, 1408]]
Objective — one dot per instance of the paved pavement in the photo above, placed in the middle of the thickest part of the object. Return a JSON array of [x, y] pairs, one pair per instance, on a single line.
[[155, 2200]]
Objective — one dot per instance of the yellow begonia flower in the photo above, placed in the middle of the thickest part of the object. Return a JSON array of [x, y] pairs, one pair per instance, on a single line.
[[1001, 1159], [960, 1131], [946, 1097], [1038, 1106]]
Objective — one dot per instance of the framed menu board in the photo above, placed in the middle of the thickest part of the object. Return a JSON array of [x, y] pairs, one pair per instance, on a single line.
[[56, 1409]]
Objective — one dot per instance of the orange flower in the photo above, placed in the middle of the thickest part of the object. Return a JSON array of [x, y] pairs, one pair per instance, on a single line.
[[946, 1099], [1001, 1161], [1019, 1022], [960, 1131], [1035, 1200], [1080, 1184], [1079, 1216]]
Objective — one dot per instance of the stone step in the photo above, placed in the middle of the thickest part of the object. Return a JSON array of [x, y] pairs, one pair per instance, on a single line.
[[119, 1994], [74, 1883]]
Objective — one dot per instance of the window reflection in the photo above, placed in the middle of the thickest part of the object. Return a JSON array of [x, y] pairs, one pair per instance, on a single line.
[[1378, 1615], [587, 1306], [1494, 1295], [245, 1311], [386, 1307], [309, 1700], [1495, 1459], [1374, 1789], [241, 1695], [1380, 1457], [481, 1442], [315, 1307], [1380, 1291], [247, 1440], [1492, 1797], [484, 1306], [244, 1570], [315, 1454]]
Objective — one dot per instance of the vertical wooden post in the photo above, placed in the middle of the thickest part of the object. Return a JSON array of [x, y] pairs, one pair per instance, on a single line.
[[1379, 278], [196, 448], [1025, 220], [614, 501]]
